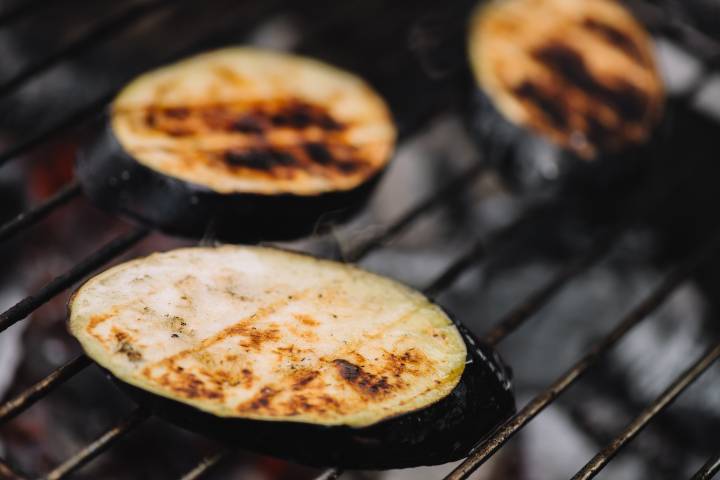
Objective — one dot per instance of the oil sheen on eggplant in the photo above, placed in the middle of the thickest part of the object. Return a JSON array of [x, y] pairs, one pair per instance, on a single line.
[[306, 359], [242, 143], [559, 81]]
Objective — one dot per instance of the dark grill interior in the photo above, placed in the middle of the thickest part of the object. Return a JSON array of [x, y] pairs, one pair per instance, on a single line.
[[497, 257]]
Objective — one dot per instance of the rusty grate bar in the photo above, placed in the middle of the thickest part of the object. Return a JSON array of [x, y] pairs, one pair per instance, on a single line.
[[650, 303], [709, 470], [38, 212], [22, 402], [99, 32], [106, 253], [105, 441], [681, 383]]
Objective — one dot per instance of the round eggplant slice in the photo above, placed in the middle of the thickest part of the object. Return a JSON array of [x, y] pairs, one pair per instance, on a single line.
[[241, 143], [561, 80], [311, 360]]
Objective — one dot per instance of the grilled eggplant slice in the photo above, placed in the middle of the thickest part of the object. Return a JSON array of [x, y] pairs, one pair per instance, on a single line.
[[239, 137], [561, 80], [307, 359]]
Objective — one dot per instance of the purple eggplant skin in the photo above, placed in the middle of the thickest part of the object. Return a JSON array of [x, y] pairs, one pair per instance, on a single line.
[[442, 432], [118, 183], [530, 163]]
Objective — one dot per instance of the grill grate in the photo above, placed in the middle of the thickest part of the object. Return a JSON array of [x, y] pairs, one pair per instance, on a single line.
[[480, 250]]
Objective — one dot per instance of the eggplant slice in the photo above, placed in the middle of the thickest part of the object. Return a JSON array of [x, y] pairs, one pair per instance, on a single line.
[[307, 359], [562, 77], [242, 143]]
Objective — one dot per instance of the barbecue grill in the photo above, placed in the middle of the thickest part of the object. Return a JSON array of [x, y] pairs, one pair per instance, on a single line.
[[422, 53]]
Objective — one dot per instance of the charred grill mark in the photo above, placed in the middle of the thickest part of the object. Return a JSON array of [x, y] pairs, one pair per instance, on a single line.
[[255, 338], [304, 378], [226, 378], [187, 384], [300, 115], [553, 109], [251, 118], [257, 159], [318, 153], [629, 102], [616, 37], [125, 347], [248, 124], [179, 113], [252, 141], [320, 404], [261, 401], [366, 383]]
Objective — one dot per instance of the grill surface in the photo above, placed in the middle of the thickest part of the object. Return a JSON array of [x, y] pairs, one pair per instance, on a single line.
[[483, 249]]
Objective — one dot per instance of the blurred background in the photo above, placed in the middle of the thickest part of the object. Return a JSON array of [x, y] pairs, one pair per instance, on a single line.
[[63, 60]]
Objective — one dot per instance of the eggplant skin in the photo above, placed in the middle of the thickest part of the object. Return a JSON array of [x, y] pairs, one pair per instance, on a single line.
[[443, 432], [116, 182]]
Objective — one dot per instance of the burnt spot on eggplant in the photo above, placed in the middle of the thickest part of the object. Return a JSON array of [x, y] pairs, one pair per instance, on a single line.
[[580, 75], [547, 103], [259, 159], [615, 36]]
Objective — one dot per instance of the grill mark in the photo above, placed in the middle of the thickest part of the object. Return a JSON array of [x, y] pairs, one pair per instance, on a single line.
[[305, 379], [257, 159], [248, 124], [627, 100], [616, 37], [299, 114], [366, 383], [232, 330], [253, 118], [318, 153], [553, 109]]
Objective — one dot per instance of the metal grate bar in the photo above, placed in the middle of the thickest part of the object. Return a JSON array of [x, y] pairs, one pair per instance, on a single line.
[[106, 253], [656, 298], [87, 111], [97, 33], [455, 269], [41, 136], [7, 473], [19, 10], [709, 470], [105, 441], [523, 311], [22, 402], [37, 213], [206, 464], [451, 189], [593, 467]]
